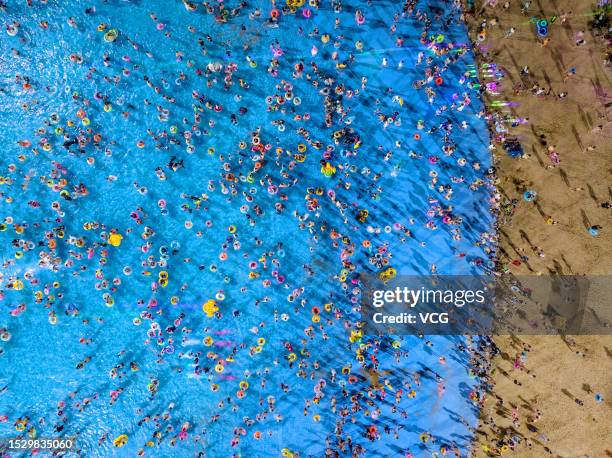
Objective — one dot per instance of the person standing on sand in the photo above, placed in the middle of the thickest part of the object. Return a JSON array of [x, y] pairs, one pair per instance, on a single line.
[[571, 72]]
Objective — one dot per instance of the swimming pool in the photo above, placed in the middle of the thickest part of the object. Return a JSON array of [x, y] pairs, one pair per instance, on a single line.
[[237, 154]]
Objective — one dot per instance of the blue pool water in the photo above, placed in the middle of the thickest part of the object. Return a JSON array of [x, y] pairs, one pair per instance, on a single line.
[[193, 85]]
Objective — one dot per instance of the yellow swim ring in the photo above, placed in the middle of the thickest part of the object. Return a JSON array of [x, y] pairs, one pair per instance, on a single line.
[[210, 308], [121, 440], [115, 239], [111, 35]]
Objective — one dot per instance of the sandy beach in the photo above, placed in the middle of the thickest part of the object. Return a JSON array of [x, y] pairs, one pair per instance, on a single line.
[[551, 94]]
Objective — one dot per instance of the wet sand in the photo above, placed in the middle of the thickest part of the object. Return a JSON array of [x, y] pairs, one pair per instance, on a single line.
[[558, 104]]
